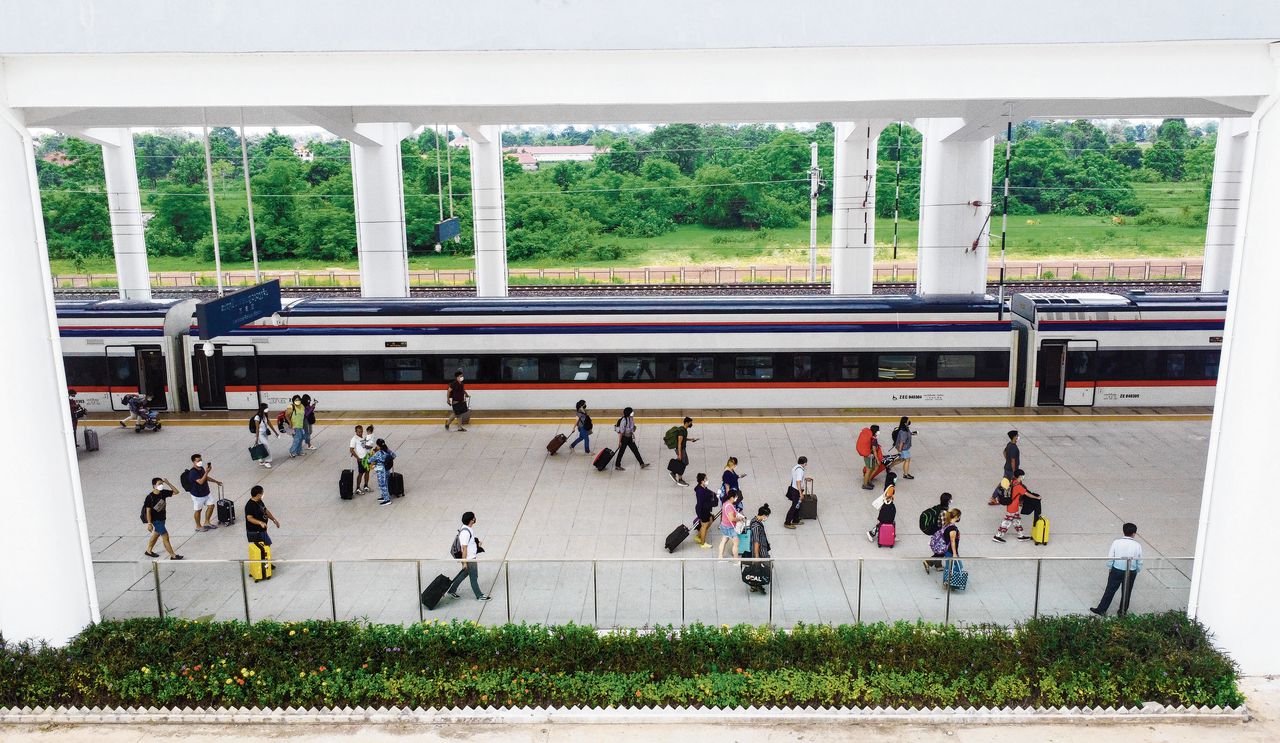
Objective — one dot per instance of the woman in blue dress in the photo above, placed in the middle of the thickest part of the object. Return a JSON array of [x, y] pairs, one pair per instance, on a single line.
[[379, 459]]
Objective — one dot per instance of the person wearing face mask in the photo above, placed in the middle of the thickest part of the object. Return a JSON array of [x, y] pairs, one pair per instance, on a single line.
[[154, 513], [902, 442], [459, 402], [197, 480]]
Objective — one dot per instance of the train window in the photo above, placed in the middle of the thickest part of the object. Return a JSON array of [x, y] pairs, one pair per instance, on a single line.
[[849, 368], [519, 368], [1175, 365], [1124, 364], [1211, 359], [577, 368], [1078, 364], [752, 368], [896, 366], [635, 368], [802, 368], [468, 365], [237, 369], [957, 365], [87, 371], [350, 369], [122, 370], [695, 367], [401, 370]]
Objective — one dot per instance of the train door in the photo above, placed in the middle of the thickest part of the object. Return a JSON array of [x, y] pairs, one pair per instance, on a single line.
[[1080, 376], [1051, 362], [227, 379], [137, 369]]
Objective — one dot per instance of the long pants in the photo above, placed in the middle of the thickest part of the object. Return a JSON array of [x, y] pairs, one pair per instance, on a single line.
[[627, 442], [468, 569], [382, 483], [1114, 578], [306, 432], [1032, 507], [584, 437], [793, 513], [296, 447], [1010, 518]]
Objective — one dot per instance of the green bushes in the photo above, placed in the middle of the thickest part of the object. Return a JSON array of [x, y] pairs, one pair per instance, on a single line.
[[1060, 661]]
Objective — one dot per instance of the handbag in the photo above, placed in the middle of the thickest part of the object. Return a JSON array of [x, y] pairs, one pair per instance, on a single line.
[[744, 544], [878, 502], [258, 451], [955, 576], [757, 573]]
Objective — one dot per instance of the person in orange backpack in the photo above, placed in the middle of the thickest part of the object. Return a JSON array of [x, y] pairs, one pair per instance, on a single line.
[[1013, 511], [867, 448]]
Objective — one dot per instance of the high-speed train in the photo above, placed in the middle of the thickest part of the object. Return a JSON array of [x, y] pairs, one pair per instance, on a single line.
[[715, 352]]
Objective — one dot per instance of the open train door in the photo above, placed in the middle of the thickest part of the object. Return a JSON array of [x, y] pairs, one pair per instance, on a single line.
[[140, 370], [1080, 374], [1051, 385], [227, 379]]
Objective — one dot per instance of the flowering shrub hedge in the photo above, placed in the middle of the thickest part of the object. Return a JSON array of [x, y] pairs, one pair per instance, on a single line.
[[1057, 661]]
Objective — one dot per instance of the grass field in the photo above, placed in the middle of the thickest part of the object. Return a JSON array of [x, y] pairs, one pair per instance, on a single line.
[[1172, 226]]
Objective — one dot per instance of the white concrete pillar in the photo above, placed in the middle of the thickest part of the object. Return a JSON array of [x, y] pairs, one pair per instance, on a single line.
[[378, 182], [1224, 203], [1233, 583], [955, 174], [124, 205], [488, 210], [853, 207], [46, 582]]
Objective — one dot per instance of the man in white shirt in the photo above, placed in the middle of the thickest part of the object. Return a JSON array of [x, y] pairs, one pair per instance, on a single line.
[[471, 549], [359, 450], [1126, 561], [795, 490]]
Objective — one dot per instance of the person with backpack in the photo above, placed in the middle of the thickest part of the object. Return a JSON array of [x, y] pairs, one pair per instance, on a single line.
[[626, 428], [703, 505], [153, 515], [296, 416], [137, 405], [677, 438], [1013, 509], [759, 548], [931, 522], [866, 448], [260, 425], [1012, 461], [467, 548], [583, 427], [196, 482], [380, 460], [459, 402], [795, 491], [308, 419], [902, 442], [887, 514]]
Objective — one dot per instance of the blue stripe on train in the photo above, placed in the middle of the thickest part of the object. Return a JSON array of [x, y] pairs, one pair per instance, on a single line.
[[1144, 325], [977, 327]]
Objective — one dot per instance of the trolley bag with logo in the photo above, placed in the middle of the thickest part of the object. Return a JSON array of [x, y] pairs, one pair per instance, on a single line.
[[757, 573], [555, 443], [603, 458], [435, 591], [1040, 531], [226, 509], [886, 535], [347, 484], [260, 567]]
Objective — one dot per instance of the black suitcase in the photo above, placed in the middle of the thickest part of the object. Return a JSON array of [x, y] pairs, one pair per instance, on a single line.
[[809, 507], [90, 439], [435, 591], [603, 459], [674, 539], [226, 510], [676, 467], [347, 484], [555, 443], [395, 484]]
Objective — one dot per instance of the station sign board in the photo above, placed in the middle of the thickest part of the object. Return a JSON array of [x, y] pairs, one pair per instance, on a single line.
[[224, 314]]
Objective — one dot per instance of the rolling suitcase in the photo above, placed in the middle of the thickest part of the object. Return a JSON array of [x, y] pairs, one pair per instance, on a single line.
[[395, 484], [674, 539], [886, 535], [347, 484], [555, 443], [1040, 531], [90, 439], [603, 459], [808, 501], [260, 567], [226, 509], [434, 592]]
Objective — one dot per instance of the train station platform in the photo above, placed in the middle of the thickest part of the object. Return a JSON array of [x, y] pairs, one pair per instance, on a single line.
[[567, 543]]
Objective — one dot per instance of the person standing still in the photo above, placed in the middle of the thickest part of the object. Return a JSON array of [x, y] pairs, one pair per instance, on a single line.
[[256, 516], [459, 401], [361, 455], [378, 460], [199, 477], [1012, 461], [705, 503], [902, 442], [760, 540], [868, 447], [626, 428], [77, 412], [309, 419], [155, 509], [583, 427], [296, 415], [795, 491], [262, 432], [471, 549], [682, 449], [1126, 561]]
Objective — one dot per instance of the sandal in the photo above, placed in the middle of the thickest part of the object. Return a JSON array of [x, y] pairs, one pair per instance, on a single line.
[[151, 554]]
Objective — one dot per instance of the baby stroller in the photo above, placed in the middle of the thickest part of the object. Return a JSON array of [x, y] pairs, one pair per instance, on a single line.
[[150, 420]]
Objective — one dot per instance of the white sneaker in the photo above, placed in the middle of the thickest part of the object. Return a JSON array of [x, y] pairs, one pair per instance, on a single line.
[[267, 465]]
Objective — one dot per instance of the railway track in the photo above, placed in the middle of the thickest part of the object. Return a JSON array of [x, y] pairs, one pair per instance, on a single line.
[[641, 290]]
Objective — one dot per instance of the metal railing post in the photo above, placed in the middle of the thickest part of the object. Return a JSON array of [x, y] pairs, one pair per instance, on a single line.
[[333, 601], [155, 574], [1124, 587], [682, 622], [595, 596], [946, 614], [859, 617], [244, 591], [422, 615], [773, 588], [1035, 610], [506, 573]]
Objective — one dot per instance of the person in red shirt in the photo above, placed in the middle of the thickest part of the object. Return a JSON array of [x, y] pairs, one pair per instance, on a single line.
[[1013, 511]]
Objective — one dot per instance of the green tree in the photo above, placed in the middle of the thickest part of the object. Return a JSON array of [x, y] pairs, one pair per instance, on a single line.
[[1174, 133], [1165, 159], [156, 153], [1127, 154], [682, 144], [621, 158], [886, 172]]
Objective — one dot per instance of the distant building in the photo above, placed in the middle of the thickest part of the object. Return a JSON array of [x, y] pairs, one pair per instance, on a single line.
[[303, 152], [57, 157], [531, 157]]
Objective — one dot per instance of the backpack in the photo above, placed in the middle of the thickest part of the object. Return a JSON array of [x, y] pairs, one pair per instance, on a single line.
[[185, 481], [864, 442], [938, 542], [586, 422], [253, 424], [672, 437], [1003, 493], [390, 461], [142, 515], [617, 427], [456, 550], [280, 419], [929, 520], [129, 399]]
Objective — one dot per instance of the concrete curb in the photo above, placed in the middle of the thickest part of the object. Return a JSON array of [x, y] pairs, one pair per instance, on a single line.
[[1144, 714]]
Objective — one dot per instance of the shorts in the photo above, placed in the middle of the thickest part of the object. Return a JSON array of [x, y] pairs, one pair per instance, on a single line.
[[159, 527], [870, 462], [200, 501], [728, 531], [703, 517], [904, 454], [362, 466]]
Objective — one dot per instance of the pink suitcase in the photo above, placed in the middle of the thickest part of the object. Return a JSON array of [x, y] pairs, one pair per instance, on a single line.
[[885, 535]]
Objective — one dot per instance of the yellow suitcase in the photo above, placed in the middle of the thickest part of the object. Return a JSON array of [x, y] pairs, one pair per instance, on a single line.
[[260, 567], [1040, 531]]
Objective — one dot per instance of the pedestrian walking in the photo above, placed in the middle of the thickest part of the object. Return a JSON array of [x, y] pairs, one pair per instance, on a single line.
[[379, 459], [459, 402], [677, 438], [1125, 563], [950, 544], [932, 521], [260, 425], [795, 490], [296, 416], [626, 428], [902, 442], [137, 405], [360, 453], [1012, 461], [468, 549], [154, 510], [256, 516], [583, 427], [729, 480], [196, 482], [703, 506], [730, 517], [887, 514], [867, 447], [760, 548], [1013, 511], [308, 420]]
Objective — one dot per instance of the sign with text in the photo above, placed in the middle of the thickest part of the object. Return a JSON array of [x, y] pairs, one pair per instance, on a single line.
[[224, 314], [448, 229]]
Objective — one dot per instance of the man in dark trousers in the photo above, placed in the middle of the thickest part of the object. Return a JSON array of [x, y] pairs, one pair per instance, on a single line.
[[682, 450], [1012, 461], [1126, 561], [459, 402]]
